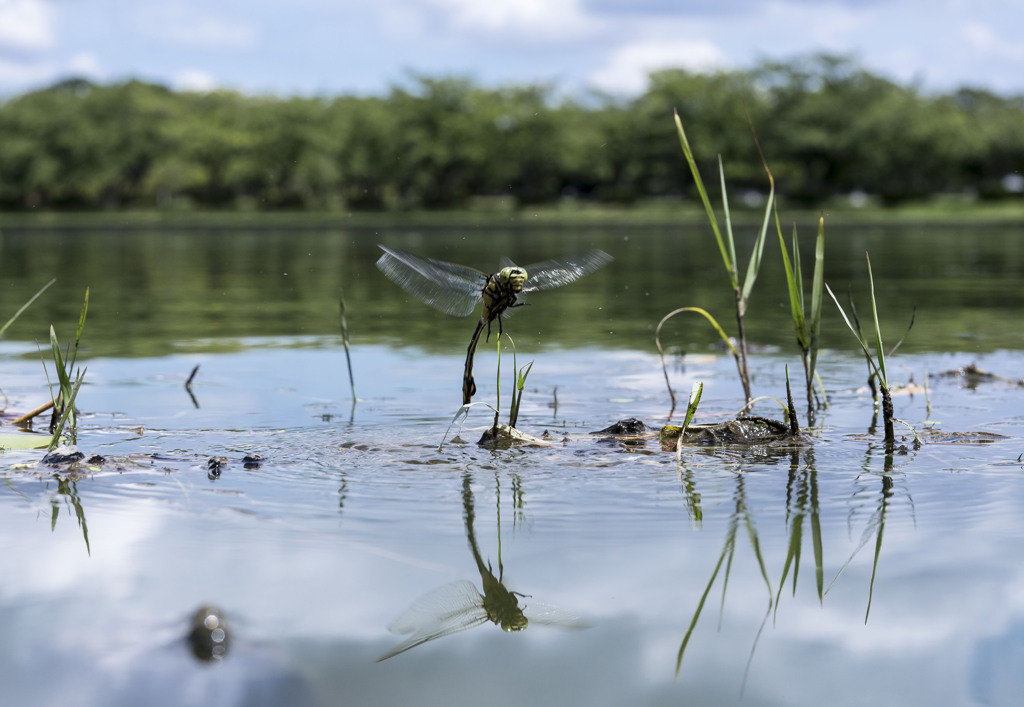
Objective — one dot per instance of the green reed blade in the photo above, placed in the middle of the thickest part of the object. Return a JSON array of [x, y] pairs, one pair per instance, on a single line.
[[688, 153], [856, 333], [817, 285], [754, 266], [730, 242], [879, 350], [793, 283]]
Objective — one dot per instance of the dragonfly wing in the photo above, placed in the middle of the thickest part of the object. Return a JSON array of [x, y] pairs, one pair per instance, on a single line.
[[553, 616], [453, 289], [438, 605], [562, 271], [443, 611]]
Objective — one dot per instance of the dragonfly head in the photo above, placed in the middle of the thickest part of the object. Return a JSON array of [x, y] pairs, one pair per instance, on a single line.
[[513, 278]]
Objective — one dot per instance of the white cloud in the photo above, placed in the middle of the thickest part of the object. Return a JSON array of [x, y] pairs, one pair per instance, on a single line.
[[26, 24], [400, 20], [194, 80], [85, 64], [983, 38], [529, 19], [628, 66], [190, 27]]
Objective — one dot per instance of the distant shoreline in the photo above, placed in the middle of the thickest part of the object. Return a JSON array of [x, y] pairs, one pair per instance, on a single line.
[[660, 215]]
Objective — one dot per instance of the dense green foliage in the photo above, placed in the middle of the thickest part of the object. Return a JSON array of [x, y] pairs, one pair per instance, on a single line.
[[828, 126]]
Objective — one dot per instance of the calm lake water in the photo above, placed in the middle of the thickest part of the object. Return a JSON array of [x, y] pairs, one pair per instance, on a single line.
[[826, 572]]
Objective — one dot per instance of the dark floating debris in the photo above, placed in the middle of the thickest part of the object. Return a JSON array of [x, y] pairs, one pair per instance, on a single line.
[[214, 466], [65, 454], [252, 461], [505, 437], [971, 376], [934, 436], [743, 431], [629, 426]]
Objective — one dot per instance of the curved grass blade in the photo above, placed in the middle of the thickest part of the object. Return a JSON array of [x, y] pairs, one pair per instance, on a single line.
[[450, 288], [711, 320]]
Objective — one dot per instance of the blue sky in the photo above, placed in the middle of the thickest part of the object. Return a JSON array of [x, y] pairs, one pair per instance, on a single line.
[[367, 46]]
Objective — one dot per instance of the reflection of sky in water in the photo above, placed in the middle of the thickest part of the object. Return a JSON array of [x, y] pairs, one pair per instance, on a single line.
[[316, 551]]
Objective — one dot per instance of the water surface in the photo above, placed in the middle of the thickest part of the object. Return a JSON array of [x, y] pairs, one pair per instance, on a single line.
[[352, 512]]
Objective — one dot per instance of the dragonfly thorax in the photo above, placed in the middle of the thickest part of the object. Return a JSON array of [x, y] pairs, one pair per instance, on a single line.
[[500, 290]]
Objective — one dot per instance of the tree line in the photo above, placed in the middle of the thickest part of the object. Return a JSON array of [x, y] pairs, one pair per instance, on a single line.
[[827, 127]]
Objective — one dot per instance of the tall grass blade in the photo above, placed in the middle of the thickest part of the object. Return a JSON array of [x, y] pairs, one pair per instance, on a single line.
[[879, 349], [817, 287], [723, 248], [730, 242], [856, 332], [78, 332], [69, 413], [754, 266], [793, 284]]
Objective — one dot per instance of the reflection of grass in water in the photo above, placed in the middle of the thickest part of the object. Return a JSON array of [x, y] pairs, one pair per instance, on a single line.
[[801, 502], [728, 551], [68, 489], [875, 526]]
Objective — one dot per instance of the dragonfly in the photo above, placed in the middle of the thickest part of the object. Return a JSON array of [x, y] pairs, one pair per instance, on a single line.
[[457, 289]]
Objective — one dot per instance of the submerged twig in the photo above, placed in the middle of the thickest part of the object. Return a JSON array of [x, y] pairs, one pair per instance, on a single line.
[[28, 416]]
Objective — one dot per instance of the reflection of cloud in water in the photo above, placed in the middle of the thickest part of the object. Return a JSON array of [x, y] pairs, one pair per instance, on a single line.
[[997, 675], [162, 676]]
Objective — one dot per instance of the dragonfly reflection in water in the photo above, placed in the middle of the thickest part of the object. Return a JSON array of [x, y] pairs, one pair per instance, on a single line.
[[459, 606], [456, 289]]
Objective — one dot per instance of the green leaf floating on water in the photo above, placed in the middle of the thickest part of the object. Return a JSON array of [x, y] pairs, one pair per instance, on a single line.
[[23, 440]]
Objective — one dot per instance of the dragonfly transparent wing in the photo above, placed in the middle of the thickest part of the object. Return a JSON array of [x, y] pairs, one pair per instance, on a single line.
[[553, 616], [453, 289], [440, 612], [562, 271]]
